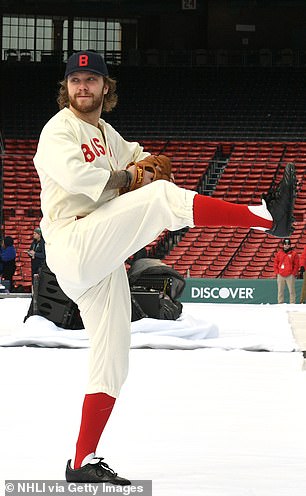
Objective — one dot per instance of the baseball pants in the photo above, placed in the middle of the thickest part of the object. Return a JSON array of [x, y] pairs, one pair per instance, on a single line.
[[288, 281], [303, 291], [93, 273]]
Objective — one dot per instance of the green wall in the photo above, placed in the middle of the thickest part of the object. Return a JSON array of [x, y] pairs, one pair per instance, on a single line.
[[234, 291]]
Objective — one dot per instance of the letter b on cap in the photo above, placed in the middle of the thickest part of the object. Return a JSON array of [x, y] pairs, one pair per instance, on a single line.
[[83, 60]]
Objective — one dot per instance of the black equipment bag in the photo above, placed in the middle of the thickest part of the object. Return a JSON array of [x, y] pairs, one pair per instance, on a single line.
[[155, 288], [49, 301]]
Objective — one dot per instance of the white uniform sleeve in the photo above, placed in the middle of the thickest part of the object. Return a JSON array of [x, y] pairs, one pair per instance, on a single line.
[[60, 156]]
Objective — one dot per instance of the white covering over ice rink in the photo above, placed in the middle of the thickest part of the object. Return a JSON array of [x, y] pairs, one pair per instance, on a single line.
[[215, 415]]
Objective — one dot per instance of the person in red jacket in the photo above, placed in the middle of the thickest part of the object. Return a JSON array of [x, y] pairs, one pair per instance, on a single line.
[[302, 275], [286, 267]]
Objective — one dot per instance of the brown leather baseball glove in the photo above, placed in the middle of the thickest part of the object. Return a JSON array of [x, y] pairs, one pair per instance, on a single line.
[[158, 165]]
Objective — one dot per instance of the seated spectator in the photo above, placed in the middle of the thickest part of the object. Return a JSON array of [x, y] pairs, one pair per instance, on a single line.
[[8, 260]]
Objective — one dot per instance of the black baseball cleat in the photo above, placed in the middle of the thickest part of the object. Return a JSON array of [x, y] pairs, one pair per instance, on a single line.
[[96, 471], [280, 201]]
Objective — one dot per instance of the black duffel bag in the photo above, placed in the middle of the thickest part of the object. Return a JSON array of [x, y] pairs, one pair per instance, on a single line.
[[155, 289]]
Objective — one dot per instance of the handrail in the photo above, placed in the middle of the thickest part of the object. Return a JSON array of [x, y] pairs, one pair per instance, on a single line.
[[201, 57], [1, 187]]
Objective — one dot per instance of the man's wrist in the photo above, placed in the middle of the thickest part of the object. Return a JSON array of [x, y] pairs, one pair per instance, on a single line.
[[129, 178], [119, 179]]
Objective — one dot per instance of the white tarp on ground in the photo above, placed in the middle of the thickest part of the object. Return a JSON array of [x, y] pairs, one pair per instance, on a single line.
[[249, 327], [202, 422]]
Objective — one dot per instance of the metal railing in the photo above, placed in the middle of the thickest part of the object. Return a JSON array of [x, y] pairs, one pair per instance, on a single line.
[[265, 57]]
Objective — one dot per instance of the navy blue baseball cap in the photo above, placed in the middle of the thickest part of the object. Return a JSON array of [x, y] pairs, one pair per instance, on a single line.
[[86, 61]]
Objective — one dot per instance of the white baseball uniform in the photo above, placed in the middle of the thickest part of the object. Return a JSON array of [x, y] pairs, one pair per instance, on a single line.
[[90, 232]]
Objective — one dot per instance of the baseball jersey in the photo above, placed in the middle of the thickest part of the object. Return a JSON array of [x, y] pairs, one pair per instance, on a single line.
[[74, 160]]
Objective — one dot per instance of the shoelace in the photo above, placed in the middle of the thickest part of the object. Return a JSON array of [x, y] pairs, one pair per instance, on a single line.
[[103, 465], [272, 194], [274, 191]]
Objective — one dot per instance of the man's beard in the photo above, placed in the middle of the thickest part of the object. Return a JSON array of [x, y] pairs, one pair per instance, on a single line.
[[87, 106]]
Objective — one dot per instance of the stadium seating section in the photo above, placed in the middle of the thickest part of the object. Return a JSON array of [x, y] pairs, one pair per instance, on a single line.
[[197, 252], [228, 130], [224, 103]]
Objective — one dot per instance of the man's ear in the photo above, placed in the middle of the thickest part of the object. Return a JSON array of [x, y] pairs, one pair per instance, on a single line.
[[105, 89]]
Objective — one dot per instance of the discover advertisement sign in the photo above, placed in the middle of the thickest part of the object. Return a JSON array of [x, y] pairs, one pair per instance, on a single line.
[[233, 291]]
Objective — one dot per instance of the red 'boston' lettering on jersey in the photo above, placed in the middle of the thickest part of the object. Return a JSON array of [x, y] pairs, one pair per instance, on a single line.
[[95, 149], [88, 153], [98, 148]]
